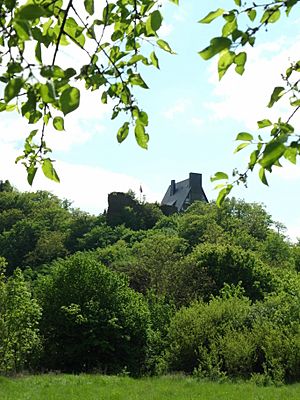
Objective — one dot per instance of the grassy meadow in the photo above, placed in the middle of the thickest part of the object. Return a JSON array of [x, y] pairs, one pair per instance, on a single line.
[[98, 387]]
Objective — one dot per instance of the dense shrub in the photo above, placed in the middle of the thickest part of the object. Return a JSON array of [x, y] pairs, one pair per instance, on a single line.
[[91, 319], [196, 332], [230, 336], [19, 317], [209, 266]]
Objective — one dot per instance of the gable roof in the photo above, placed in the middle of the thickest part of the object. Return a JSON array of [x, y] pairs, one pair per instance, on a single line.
[[182, 194]]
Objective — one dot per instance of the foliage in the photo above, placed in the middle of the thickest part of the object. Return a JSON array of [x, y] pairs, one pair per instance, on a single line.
[[154, 260], [231, 336], [91, 319], [110, 42], [19, 318], [204, 272], [195, 333], [240, 28]]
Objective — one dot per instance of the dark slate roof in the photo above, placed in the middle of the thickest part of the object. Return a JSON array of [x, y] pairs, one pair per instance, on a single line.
[[178, 198], [190, 189]]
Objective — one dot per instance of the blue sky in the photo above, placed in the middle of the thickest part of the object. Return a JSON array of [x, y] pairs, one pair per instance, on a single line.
[[194, 120]]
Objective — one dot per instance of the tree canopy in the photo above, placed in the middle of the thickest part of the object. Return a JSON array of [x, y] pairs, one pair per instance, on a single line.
[[112, 43]]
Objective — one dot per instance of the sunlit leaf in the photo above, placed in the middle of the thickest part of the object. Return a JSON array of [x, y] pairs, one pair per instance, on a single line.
[[89, 6], [225, 60], [49, 171], [154, 59], [291, 154], [69, 100], [272, 152], [141, 136], [264, 123], [223, 194], [58, 123], [12, 89], [262, 176], [275, 96], [211, 16], [244, 136], [123, 132], [153, 22], [165, 46], [241, 146], [216, 46], [218, 176]]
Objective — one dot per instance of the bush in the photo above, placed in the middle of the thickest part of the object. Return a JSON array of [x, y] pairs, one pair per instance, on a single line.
[[19, 317], [91, 318], [197, 335], [209, 266]]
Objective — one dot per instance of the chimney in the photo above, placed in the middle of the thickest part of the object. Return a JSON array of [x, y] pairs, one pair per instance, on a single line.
[[195, 181], [173, 187]]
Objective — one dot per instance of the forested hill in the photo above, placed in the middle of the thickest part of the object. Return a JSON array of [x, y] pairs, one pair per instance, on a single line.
[[212, 291]]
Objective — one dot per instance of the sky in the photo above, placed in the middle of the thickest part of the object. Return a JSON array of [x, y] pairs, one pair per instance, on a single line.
[[194, 120]]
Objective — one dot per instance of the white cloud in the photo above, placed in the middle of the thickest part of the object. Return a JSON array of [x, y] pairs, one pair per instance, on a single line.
[[197, 122], [244, 98], [179, 107], [86, 186]]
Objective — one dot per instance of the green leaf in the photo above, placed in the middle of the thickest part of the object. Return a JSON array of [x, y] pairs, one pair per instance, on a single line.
[[229, 27], [69, 100], [136, 58], [141, 136], [123, 132], [211, 16], [143, 118], [241, 146], [165, 46], [154, 60], [252, 14], [253, 158], [104, 97], [58, 123], [272, 152], [153, 22], [240, 61], [244, 136], [49, 170], [216, 46], [270, 16], [238, 2], [47, 93], [225, 60], [291, 154], [12, 89], [295, 103], [175, 2], [136, 79], [31, 171], [89, 6], [31, 12], [223, 194], [38, 52], [264, 123], [262, 176], [219, 175], [275, 96]]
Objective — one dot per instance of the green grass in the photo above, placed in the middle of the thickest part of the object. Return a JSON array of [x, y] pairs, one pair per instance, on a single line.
[[98, 387]]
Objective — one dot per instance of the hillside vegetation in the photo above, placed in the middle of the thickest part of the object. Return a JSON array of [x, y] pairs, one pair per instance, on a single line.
[[213, 292]]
